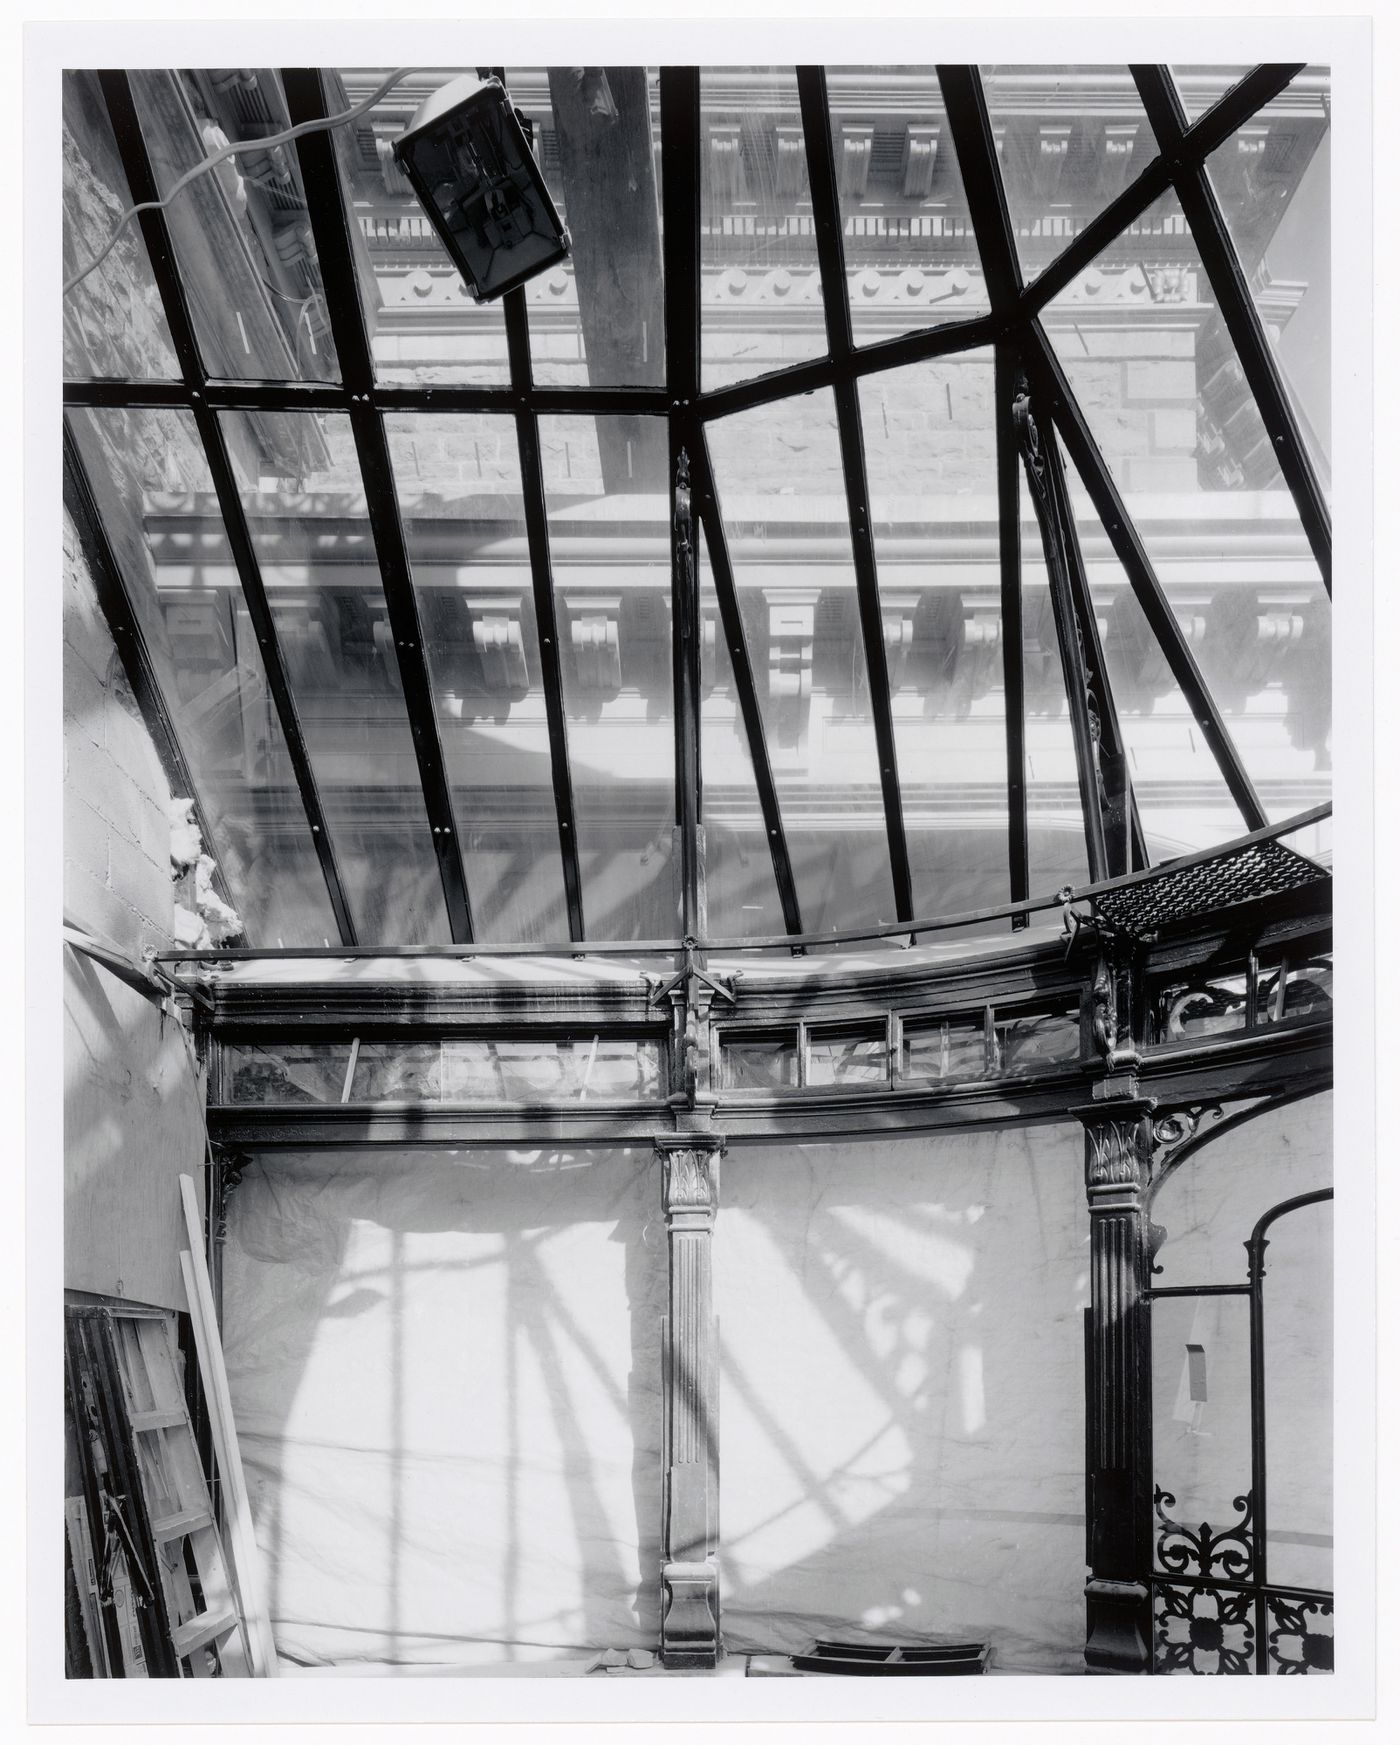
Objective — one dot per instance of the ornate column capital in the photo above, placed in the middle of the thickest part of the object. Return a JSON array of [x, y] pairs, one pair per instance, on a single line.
[[690, 1180]]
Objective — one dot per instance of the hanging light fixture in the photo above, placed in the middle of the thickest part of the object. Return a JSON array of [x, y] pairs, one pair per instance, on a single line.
[[468, 160]]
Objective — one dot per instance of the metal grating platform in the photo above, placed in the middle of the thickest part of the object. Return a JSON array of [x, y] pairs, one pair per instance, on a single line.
[[1205, 886]]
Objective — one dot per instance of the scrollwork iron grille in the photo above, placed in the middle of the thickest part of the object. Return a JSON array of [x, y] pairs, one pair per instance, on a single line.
[[1214, 1609]]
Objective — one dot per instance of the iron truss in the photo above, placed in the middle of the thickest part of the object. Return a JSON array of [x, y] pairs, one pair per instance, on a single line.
[[1031, 389]]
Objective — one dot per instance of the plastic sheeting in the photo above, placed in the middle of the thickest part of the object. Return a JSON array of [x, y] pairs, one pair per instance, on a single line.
[[446, 1374], [902, 1403]]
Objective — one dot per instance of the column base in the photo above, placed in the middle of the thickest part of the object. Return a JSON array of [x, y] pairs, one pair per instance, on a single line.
[[1119, 1635], [690, 1614]]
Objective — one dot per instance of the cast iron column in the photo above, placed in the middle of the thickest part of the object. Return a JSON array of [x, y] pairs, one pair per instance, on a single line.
[[1117, 1163], [690, 1517]]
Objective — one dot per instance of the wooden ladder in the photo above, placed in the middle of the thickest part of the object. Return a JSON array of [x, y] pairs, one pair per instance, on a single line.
[[205, 1624]]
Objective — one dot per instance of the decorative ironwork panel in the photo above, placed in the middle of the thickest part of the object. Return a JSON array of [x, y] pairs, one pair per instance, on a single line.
[[1258, 870], [1298, 1632], [1227, 1555], [1202, 1630]]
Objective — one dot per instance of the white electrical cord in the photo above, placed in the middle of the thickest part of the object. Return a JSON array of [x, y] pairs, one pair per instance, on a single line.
[[228, 151]]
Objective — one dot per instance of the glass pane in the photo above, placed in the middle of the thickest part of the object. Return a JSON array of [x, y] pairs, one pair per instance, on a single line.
[[289, 1072], [1295, 990], [954, 1049], [778, 473], [1200, 1413], [1058, 855], [598, 318], [398, 1072], [423, 323], [930, 447], [1273, 181], [615, 1069], [1298, 1376], [1182, 797], [911, 256], [1209, 1205], [1201, 87], [113, 323], [1187, 1011], [458, 479], [760, 1063], [741, 888], [609, 506], [155, 497], [1157, 377], [241, 234], [1031, 1041], [1068, 140], [305, 504], [761, 294], [848, 1057]]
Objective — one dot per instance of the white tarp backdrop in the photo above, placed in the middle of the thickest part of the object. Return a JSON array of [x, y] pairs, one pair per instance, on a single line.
[[902, 1411], [446, 1373]]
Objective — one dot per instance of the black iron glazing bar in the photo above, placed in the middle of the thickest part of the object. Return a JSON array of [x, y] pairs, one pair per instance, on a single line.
[[1258, 1403], [527, 434], [330, 226], [126, 126], [1089, 462], [680, 196], [1012, 631], [971, 127], [1241, 316], [1049, 511], [826, 209], [1241, 101], [1106, 748], [551, 670], [869, 360], [113, 598], [731, 626]]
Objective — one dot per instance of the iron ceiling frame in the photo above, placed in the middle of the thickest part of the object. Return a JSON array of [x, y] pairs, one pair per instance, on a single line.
[[1012, 328]]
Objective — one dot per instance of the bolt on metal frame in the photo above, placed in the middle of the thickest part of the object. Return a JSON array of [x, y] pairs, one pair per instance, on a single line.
[[1012, 327]]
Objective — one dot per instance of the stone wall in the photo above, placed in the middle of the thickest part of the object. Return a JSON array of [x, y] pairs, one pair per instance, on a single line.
[[131, 1099]]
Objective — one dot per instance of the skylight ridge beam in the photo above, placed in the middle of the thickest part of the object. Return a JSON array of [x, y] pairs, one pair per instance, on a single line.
[[1256, 89], [527, 436], [112, 596], [731, 625], [1012, 632], [141, 182], [1142, 577], [826, 209], [1240, 314], [330, 226], [680, 205]]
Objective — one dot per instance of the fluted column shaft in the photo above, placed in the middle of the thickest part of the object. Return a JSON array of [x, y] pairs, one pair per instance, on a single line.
[[690, 1527], [1117, 1160]]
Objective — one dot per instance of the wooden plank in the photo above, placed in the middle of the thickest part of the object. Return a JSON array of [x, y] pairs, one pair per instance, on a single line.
[[187, 1521], [247, 1572]]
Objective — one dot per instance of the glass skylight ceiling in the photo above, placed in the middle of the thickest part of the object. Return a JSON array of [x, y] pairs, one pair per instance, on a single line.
[[404, 569]]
